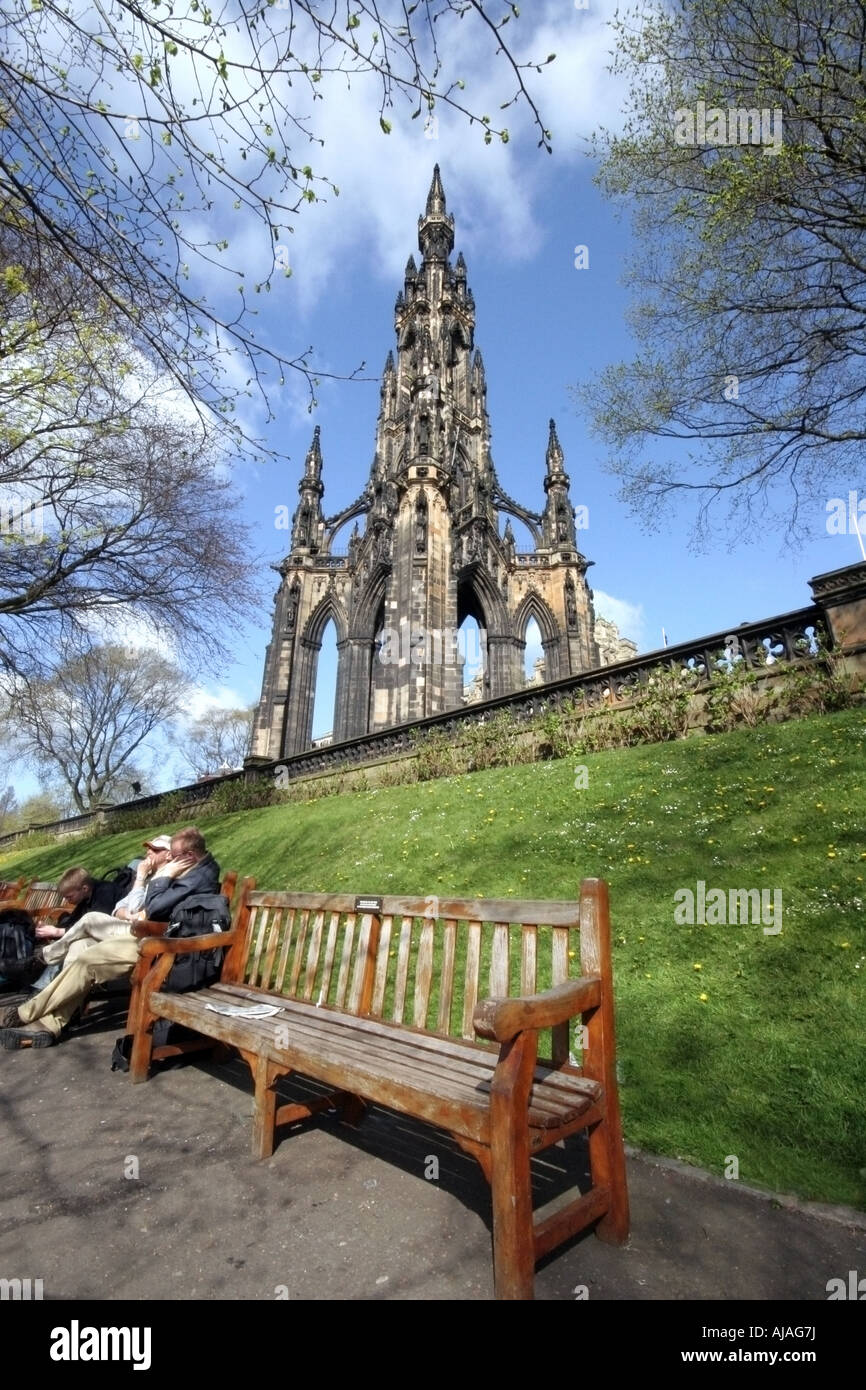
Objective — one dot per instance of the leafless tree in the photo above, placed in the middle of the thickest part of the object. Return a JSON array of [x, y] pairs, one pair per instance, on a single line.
[[85, 723], [217, 740]]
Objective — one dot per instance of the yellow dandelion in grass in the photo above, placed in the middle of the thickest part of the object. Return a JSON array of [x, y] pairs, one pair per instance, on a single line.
[[571, 955], [704, 998], [648, 977], [831, 854], [697, 966], [845, 945]]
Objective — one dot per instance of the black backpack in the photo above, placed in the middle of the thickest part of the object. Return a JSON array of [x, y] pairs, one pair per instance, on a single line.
[[17, 943], [199, 915], [108, 891]]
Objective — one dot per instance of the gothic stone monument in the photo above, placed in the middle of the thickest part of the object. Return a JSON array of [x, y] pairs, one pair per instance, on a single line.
[[431, 551]]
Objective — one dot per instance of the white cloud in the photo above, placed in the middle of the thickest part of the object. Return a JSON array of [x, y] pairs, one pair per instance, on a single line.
[[383, 179], [201, 700], [629, 617]]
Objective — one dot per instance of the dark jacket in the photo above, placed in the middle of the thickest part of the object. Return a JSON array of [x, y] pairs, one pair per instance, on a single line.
[[164, 894]]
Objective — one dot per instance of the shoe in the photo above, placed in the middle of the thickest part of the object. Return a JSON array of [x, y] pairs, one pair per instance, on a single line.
[[9, 1018], [28, 1035]]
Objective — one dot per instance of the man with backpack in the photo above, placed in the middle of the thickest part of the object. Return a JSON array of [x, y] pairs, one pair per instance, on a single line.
[[190, 871]]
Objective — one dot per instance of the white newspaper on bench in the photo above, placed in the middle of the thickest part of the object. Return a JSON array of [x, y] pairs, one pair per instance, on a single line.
[[249, 1011]]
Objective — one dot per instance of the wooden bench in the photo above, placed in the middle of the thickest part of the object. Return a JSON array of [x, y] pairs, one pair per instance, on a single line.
[[379, 999], [9, 891], [43, 900]]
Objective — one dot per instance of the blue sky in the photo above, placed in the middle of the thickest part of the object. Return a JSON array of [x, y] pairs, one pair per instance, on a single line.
[[542, 325]]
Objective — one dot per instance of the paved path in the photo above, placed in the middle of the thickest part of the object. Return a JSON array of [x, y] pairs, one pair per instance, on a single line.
[[119, 1191]]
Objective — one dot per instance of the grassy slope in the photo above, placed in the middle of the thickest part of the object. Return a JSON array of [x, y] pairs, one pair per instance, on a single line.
[[771, 1065]]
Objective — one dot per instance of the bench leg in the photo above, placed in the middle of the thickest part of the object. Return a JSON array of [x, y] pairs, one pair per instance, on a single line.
[[264, 1121], [607, 1164], [511, 1179], [142, 1050]]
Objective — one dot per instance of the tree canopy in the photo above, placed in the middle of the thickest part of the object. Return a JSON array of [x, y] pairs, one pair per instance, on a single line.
[[114, 501], [123, 132], [743, 161], [216, 740]]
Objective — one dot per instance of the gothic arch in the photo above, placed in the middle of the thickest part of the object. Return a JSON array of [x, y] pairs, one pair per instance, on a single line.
[[305, 675], [488, 598], [369, 606], [479, 596], [533, 606], [328, 608]]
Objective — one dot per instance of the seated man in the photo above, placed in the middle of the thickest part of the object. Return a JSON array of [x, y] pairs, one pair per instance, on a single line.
[[76, 886], [40, 1022], [105, 926]]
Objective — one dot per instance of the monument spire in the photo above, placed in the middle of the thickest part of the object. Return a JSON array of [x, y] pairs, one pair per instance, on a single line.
[[436, 227], [308, 523]]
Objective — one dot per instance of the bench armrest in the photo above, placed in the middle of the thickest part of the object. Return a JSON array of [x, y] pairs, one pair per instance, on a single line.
[[503, 1019], [144, 928], [183, 945]]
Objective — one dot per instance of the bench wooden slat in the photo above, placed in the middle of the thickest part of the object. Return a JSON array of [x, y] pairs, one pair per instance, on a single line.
[[40, 896], [273, 938], [282, 927], [446, 979], [499, 962], [313, 954], [423, 975], [559, 971], [402, 975], [330, 955], [528, 960], [260, 918], [377, 1003], [513, 910], [348, 938], [473, 966], [298, 955], [447, 1046], [360, 973]]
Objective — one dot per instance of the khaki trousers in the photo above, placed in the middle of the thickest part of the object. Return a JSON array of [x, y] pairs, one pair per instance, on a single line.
[[93, 926], [54, 1006]]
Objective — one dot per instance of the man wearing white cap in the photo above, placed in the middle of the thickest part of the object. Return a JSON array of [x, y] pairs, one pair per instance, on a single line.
[[102, 926]]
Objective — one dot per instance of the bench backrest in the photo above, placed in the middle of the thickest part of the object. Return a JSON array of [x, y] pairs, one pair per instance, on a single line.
[[9, 891], [423, 962], [41, 895]]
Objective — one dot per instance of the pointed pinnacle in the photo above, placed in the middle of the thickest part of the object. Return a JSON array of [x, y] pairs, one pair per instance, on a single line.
[[436, 197], [554, 448]]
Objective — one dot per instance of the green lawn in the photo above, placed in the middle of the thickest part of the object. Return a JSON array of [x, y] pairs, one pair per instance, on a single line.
[[731, 1041]]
